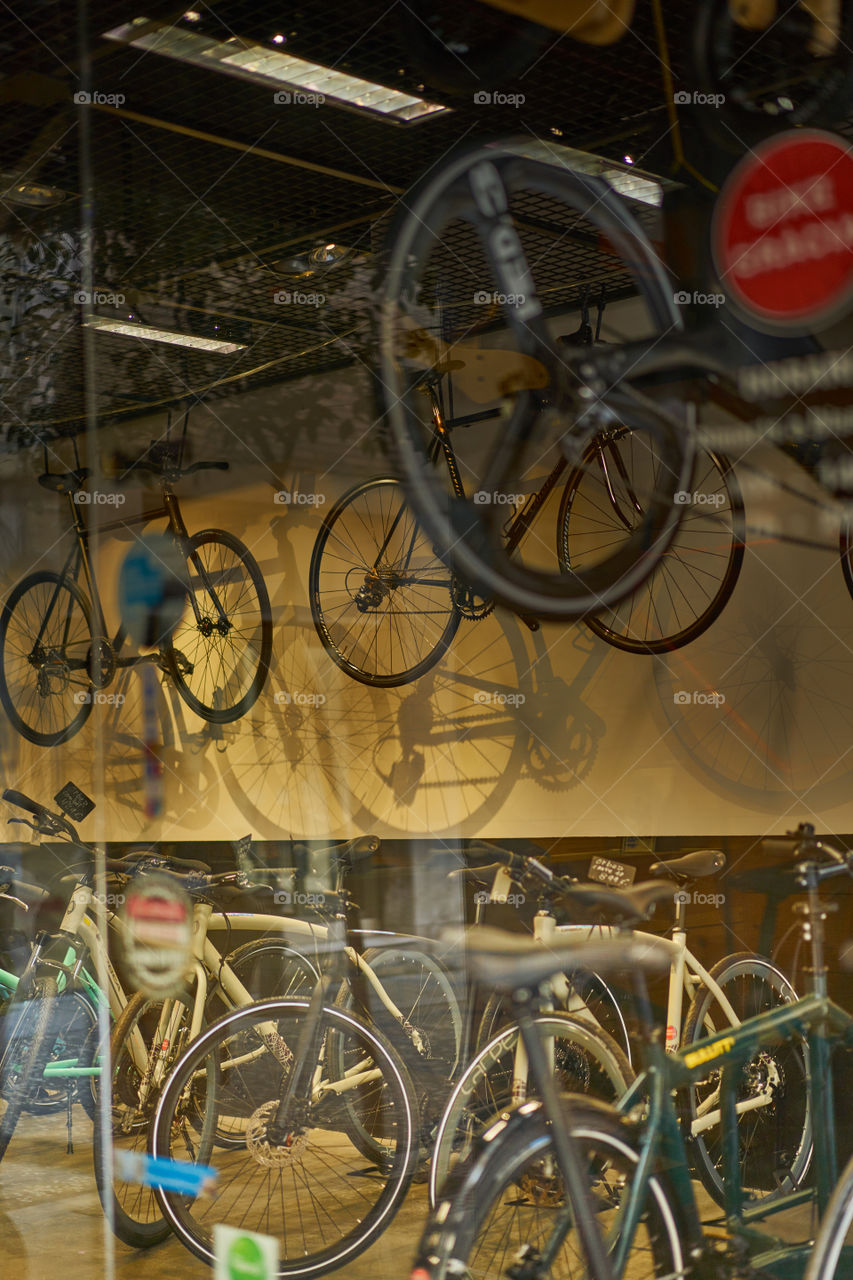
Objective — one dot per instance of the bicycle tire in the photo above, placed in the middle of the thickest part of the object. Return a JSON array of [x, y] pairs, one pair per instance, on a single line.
[[767, 79], [831, 1257], [469, 535], [599, 1006], [255, 1075], [23, 674], [420, 988], [221, 688], [697, 574], [348, 592], [131, 1207], [845, 546], [25, 1054], [587, 1061], [776, 1140], [517, 1163]]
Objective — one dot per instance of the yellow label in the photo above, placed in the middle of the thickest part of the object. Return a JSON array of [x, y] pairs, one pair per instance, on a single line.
[[698, 1056]]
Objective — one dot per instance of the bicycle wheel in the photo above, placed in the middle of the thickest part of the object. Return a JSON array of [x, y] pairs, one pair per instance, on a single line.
[[432, 1023], [832, 1255], [73, 1037], [697, 574], [311, 1192], [25, 1052], [588, 997], [503, 1207], [794, 70], [45, 648], [586, 1061], [775, 1137], [380, 597], [142, 1053], [510, 219], [219, 654]]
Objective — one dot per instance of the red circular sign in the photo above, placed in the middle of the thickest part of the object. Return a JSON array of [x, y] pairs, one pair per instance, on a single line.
[[782, 234]]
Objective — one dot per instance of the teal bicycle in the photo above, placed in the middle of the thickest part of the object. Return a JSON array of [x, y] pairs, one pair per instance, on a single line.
[[566, 1187]]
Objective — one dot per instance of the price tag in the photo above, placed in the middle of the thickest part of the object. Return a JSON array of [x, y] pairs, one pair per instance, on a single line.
[[606, 871]]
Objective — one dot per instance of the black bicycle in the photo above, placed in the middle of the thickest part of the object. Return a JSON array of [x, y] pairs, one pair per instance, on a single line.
[[56, 654]]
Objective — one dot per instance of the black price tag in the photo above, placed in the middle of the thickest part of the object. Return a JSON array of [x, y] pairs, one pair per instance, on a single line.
[[616, 874]]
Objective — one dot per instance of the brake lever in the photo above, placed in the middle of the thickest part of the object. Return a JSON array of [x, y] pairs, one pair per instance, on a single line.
[[10, 897], [26, 823]]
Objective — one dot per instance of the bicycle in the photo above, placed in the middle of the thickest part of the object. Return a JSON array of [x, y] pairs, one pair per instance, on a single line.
[[631, 1209], [56, 654], [386, 608], [150, 1037], [509, 211], [718, 996], [218, 1055]]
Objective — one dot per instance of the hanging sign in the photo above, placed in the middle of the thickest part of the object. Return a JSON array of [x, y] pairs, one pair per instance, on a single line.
[[156, 933], [782, 232]]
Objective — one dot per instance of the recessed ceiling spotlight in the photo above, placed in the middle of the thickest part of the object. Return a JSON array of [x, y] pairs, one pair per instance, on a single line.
[[628, 159], [192, 15], [33, 195], [323, 257], [279, 39]]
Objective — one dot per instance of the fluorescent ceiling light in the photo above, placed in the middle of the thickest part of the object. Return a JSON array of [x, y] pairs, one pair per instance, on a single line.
[[258, 63], [625, 179], [130, 330]]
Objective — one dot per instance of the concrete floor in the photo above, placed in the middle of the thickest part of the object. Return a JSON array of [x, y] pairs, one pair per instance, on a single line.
[[52, 1226]]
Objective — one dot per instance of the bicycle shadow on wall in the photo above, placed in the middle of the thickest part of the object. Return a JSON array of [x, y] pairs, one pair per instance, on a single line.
[[762, 706], [441, 754]]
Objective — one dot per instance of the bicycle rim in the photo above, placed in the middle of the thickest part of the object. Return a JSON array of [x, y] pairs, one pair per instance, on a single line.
[[380, 597], [237, 1070], [44, 659], [220, 651], [697, 574]]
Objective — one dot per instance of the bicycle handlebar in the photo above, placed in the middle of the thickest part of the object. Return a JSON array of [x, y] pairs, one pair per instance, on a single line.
[[521, 864], [46, 822]]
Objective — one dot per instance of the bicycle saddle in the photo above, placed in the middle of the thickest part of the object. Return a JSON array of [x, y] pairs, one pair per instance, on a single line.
[[691, 866], [64, 481], [510, 961], [629, 905]]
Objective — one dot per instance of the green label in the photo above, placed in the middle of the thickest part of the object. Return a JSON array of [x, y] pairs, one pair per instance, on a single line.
[[245, 1260]]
